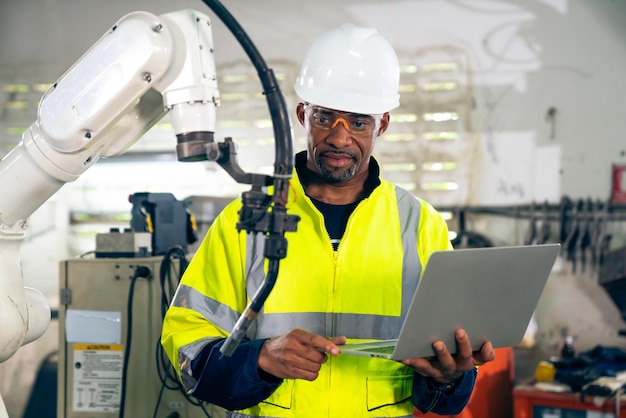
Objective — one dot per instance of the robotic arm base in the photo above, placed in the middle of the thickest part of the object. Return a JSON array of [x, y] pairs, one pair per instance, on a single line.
[[24, 311]]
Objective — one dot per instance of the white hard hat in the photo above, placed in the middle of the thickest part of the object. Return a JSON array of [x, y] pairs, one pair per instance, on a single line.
[[352, 69]]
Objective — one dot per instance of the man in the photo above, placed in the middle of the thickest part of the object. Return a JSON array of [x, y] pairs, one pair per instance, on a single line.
[[349, 274]]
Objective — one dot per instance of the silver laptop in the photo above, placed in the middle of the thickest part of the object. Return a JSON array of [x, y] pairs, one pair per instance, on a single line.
[[490, 292]]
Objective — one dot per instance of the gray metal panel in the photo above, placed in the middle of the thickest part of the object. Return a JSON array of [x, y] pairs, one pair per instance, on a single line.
[[103, 285]]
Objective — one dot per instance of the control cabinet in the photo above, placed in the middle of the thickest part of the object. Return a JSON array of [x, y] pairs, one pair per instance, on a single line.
[[109, 341]]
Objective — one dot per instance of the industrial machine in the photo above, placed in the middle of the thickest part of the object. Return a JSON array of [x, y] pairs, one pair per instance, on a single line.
[[143, 67], [117, 304], [159, 222]]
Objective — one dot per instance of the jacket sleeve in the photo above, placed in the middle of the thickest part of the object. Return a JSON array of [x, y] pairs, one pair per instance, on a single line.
[[207, 303], [428, 397], [233, 382]]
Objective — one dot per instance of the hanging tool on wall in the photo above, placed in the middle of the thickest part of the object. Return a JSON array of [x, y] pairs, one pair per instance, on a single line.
[[468, 239], [564, 207], [544, 228], [583, 239], [597, 232], [603, 239], [532, 227], [539, 228], [569, 229]]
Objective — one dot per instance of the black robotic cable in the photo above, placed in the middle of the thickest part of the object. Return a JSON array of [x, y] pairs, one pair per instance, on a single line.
[[165, 370], [275, 222], [143, 272], [168, 287], [284, 158]]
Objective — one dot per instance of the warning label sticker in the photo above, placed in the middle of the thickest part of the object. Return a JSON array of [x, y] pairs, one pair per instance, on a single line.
[[97, 383]]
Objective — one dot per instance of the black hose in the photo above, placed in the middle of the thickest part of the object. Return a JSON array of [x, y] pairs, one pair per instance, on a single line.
[[283, 163], [140, 271], [283, 168]]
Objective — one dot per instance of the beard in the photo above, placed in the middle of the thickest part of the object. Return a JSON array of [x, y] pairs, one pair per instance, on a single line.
[[332, 175]]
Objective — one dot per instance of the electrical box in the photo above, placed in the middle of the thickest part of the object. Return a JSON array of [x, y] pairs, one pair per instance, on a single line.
[[165, 218], [109, 342], [116, 243]]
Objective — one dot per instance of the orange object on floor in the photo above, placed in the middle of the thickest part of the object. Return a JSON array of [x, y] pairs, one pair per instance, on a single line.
[[527, 400], [493, 392]]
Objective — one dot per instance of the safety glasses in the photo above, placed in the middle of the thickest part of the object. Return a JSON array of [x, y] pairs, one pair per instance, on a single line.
[[327, 119]]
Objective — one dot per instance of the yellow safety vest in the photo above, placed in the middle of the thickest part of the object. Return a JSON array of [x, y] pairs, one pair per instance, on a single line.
[[362, 291]]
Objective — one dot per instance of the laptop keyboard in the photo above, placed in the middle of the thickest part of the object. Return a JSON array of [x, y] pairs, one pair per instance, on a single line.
[[382, 350]]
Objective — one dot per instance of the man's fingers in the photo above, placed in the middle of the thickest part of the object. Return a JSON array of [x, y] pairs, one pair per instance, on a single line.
[[463, 344], [298, 354], [447, 363], [320, 343], [485, 355], [339, 340], [316, 347]]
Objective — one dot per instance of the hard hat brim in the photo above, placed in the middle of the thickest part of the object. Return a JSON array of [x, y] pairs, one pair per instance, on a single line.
[[352, 103]]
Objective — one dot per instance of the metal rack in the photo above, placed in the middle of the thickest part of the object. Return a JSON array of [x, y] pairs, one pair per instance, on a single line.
[[581, 225]]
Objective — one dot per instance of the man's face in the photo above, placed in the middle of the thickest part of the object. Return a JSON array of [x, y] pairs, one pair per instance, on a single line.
[[339, 144]]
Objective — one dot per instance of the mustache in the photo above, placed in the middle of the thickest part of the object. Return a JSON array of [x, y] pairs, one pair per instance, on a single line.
[[335, 153]]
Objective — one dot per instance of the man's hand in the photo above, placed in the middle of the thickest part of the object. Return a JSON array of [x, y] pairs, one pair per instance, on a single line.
[[447, 368], [297, 355]]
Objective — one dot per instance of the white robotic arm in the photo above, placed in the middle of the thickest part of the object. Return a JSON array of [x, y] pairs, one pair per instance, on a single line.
[[143, 67]]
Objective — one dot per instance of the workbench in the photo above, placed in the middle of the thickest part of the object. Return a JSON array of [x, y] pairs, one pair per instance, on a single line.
[[531, 403]]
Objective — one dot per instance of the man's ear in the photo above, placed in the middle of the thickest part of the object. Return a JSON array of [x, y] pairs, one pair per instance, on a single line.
[[300, 113], [384, 124]]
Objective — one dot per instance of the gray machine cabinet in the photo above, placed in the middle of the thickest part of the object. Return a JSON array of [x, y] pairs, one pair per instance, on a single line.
[[93, 322]]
